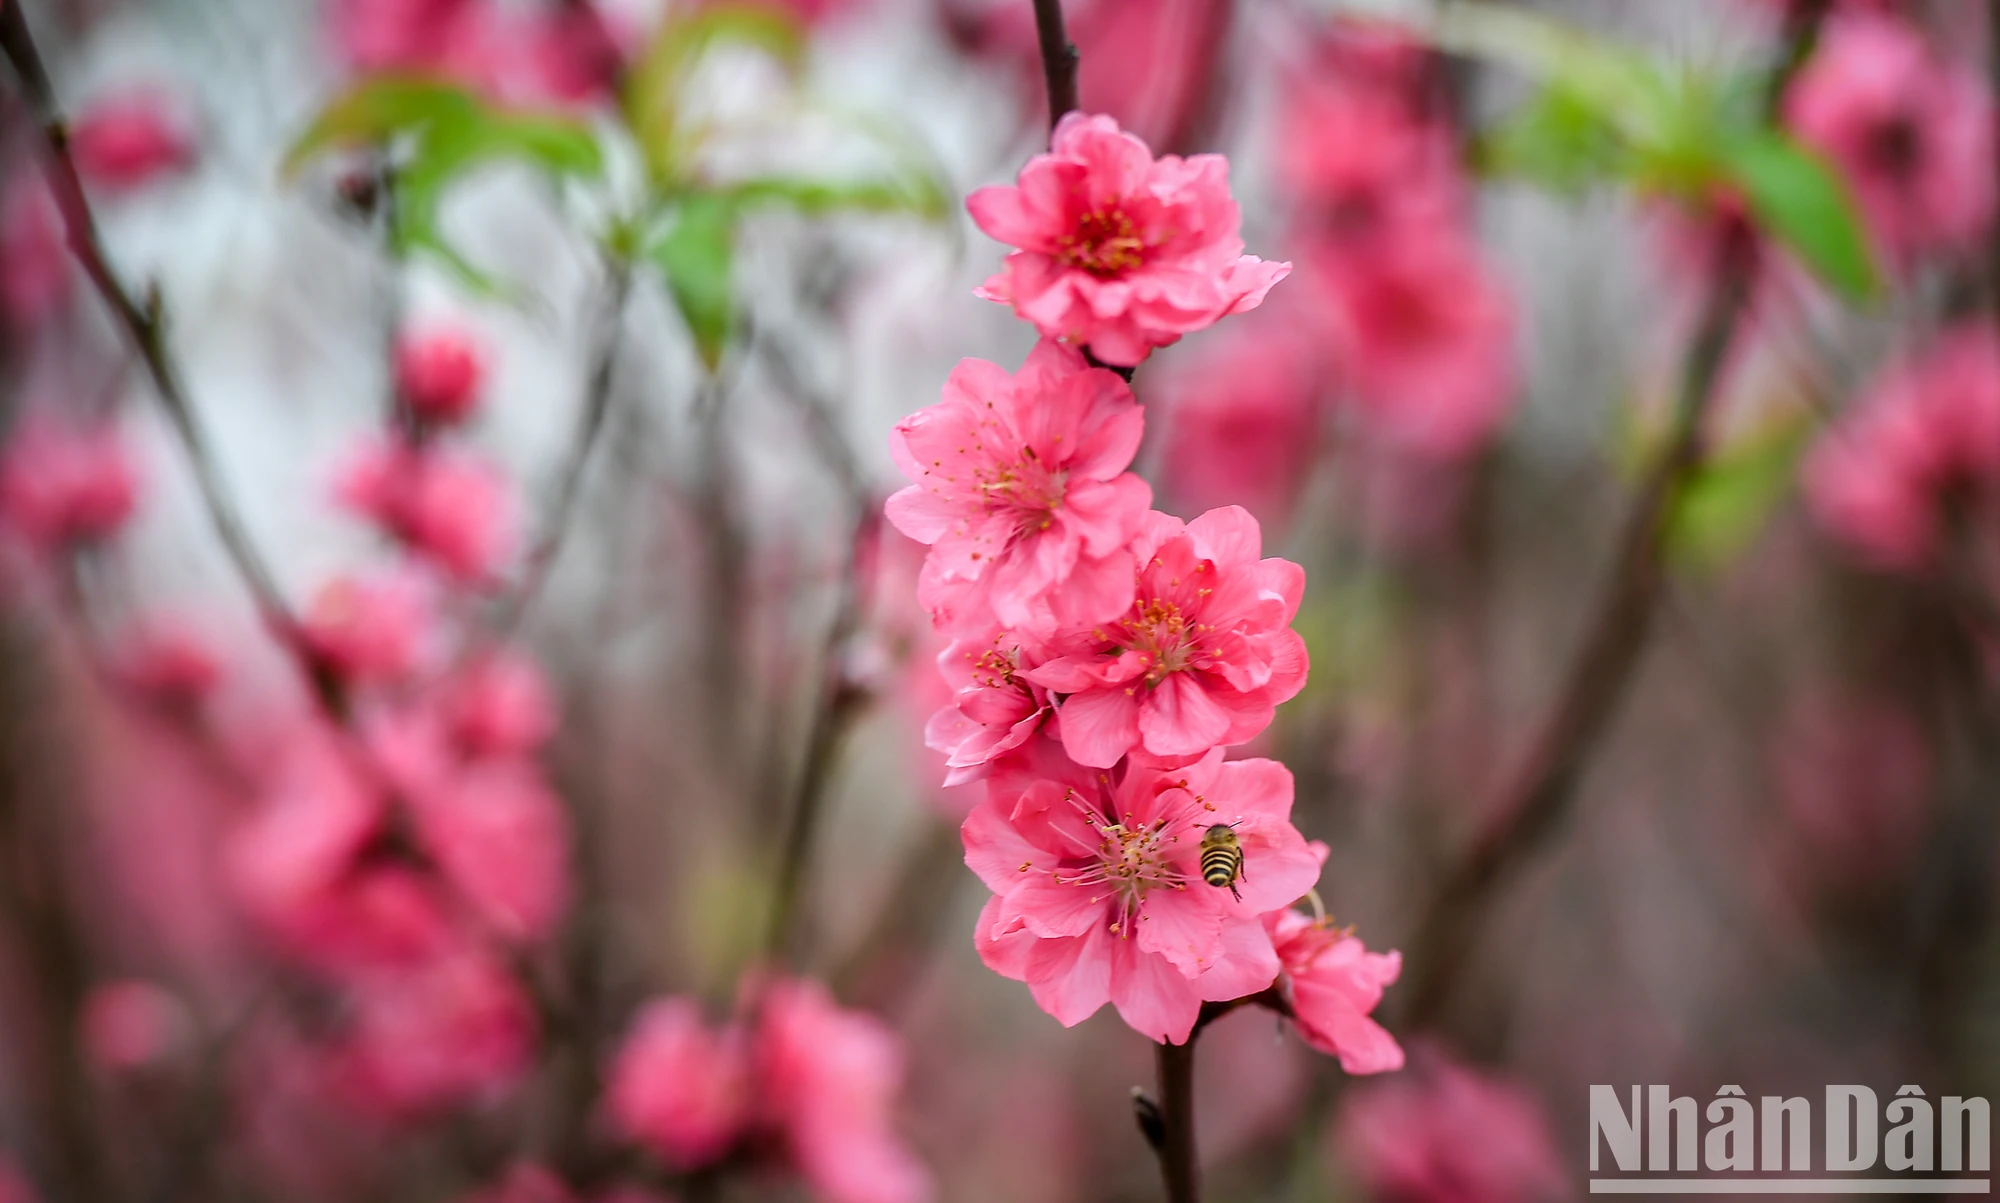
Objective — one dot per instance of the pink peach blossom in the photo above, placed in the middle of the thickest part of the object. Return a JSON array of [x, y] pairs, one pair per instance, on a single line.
[[1243, 421], [1425, 332], [34, 260], [500, 836], [452, 1029], [1118, 251], [315, 816], [446, 505], [130, 1025], [380, 35], [63, 484], [14, 1186], [129, 139], [1441, 1133], [1912, 132], [440, 373], [1368, 169], [1928, 425], [1022, 494], [1098, 894], [170, 662], [994, 709], [371, 629], [828, 1080], [1332, 982], [678, 1087], [1201, 659], [499, 705]]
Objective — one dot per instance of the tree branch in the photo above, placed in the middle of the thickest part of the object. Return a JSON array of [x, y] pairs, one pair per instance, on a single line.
[[142, 326], [1175, 1147], [1536, 797], [1059, 59]]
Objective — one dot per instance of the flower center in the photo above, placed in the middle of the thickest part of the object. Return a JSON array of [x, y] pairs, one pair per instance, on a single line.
[[1025, 486], [1129, 860], [1105, 244], [1159, 631], [1894, 146]]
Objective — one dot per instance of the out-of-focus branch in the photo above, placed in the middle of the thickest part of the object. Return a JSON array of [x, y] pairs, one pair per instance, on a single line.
[[548, 545], [1536, 796], [143, 326], [1059, 59], [841, 699]]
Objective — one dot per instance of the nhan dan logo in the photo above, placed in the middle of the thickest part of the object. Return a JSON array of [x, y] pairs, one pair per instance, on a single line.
[[1908, 1146]]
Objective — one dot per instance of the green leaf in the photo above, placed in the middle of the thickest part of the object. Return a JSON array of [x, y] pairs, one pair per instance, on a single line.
[[1798, 199], [696, 256], [1720, 512], [1558, 139], [446, 133], [376, 111]]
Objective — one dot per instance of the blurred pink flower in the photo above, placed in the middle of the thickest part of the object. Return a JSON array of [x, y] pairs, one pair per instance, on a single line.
[[1928, 426], [525, 1182], [1098, 893], [34, 260], [828, 1080], [371, 629], [170, 662], [447, 505], [501, 837], [14, 1186], [452, 1029], [385, 35], [1022, 494], [1425, 332], [1202, 658], [500, 705], [1369, 170], [1333, 982], [993, 710], [62, 484], [128, 139], [1242, 421], [1154, 62], [440, 373], [1911, 131], [1119, 252], [1441, 1133], [132, 1024], [678, 1087]]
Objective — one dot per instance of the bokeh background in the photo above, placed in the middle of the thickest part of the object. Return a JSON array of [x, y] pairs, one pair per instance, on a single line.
[[1521, 236]]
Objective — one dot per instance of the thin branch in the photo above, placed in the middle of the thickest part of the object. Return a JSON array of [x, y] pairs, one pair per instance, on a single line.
[[841, 699], [548, 546], [1536, 797], [1059, 59], [143, 327], [1175, 1063]]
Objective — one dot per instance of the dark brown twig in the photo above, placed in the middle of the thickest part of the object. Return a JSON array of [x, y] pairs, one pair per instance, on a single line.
[[1059, 59], [143, 327], [1535, 797]]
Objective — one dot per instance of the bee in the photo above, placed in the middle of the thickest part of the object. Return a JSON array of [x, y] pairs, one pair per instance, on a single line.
[[1222, 858]]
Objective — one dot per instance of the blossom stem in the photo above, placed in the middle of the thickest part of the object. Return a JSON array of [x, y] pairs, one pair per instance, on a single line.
[[1176, 1146], [1059, 59], [142, 324]]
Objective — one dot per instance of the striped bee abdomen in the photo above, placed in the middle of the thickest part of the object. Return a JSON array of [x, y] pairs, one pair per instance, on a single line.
[[1221, 857]]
